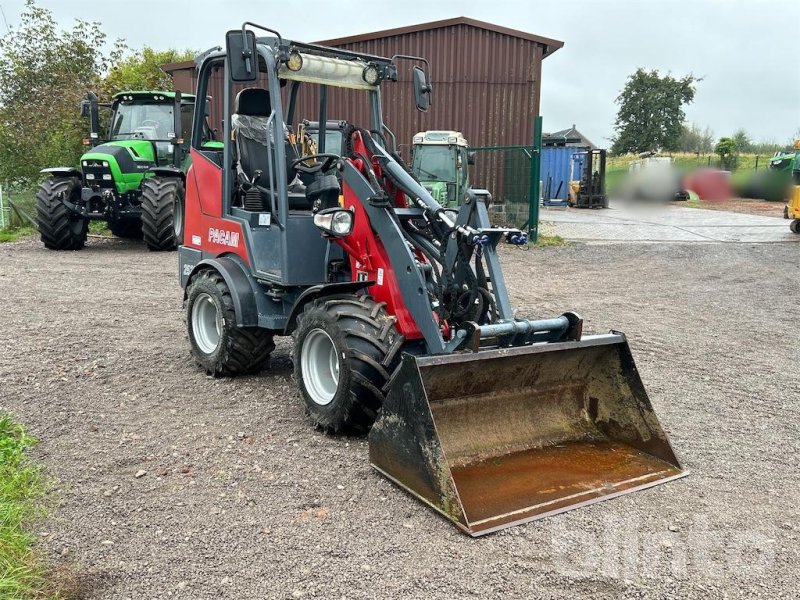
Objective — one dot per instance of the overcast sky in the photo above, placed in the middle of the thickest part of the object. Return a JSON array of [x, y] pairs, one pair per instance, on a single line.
[[746, 51]]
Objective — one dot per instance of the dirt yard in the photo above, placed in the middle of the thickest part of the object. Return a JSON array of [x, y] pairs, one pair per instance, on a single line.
[[746, 206], [171, 484]]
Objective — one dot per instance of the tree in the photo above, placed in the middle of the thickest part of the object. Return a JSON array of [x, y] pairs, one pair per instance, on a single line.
[[142, 71], [45, 71], [742, 141], [726, 150], [694, 139], [651, 113]]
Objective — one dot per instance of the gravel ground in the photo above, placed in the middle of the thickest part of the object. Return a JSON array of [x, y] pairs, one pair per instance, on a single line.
[[237, 496]]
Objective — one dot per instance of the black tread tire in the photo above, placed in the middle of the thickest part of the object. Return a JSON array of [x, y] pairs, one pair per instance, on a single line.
[[365, 333], [241, 350], [126, 228], [158, 203], [59, 227], [794, 226]]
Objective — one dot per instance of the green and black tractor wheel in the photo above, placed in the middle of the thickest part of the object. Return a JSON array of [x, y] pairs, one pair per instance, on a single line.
[[126, 228], [217, 343], [160, 195], [59, 227], [345, 349]]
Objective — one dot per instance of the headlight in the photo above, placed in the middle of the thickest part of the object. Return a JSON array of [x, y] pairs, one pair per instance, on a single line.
[[90, 176], [342, 222], [337, 222], [106, 176], [326, 70], [418, 139], [295, 62], [371, 75], [105, 163], [452, 140]]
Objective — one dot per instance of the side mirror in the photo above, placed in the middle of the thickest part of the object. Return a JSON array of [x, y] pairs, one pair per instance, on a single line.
[[240, 46], [85, 109], [470, 158], [422, 89]]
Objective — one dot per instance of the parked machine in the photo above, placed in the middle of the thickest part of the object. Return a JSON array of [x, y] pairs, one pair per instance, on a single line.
[[402, 330], [132, 179], [792, 210], [439, 161], [588, 185], [790, 162]]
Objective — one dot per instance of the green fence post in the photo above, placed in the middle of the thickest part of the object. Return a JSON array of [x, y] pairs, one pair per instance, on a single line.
[[536, 165]]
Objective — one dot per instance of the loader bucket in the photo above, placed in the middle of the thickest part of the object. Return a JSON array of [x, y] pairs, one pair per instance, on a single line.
[[500, 437]]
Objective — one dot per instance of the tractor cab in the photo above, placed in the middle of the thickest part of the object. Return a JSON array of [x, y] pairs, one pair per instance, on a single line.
[[151, 124], [439, 160]]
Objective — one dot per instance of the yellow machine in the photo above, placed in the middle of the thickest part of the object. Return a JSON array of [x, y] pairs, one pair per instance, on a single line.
[[793, 203], [793, 207]]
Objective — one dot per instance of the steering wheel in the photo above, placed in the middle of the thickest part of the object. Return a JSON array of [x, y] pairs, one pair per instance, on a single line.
[[324, 163]]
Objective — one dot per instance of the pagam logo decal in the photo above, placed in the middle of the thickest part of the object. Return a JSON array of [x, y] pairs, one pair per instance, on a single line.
[[223, 237]]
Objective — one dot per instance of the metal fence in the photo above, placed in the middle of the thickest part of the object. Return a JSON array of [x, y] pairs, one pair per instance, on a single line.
[[507, 172]]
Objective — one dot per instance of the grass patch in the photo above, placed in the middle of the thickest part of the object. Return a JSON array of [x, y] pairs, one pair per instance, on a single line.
[[99, 228], [546, 241], [12, 234], [24, 575]]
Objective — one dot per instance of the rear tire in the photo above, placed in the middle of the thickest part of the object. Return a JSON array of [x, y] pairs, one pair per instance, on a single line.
[[59, 227], [344, 350], [217, 343], [159, 197], [794, 226], [126, 228]]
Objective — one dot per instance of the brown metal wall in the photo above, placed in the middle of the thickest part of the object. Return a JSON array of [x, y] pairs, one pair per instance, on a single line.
[[485, 84]]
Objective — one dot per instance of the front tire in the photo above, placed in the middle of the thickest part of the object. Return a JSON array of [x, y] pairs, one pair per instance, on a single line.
[[159, 198], [794, 226], [345, 348], [218, 344], [59, 227]]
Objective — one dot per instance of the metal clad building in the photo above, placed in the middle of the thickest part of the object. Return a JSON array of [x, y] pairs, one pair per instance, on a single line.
[[486, 84]]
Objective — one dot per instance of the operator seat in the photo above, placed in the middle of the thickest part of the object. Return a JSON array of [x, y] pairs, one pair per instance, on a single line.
[[252, 109]]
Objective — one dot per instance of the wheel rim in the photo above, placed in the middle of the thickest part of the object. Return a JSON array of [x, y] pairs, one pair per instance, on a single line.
[[319, 363], [177, 219], [206, 323]]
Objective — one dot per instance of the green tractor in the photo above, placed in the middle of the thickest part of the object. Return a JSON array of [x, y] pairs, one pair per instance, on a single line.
[[133, 179], [439, 161]]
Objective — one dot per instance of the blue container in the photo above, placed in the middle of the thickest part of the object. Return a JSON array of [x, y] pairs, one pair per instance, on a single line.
[[560, 164]]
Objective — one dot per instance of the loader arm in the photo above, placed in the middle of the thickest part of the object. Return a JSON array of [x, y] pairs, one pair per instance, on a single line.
[[447, 248]]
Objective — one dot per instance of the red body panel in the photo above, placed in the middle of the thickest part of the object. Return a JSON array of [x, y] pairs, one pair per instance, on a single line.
[[368, 259], [205, 229]]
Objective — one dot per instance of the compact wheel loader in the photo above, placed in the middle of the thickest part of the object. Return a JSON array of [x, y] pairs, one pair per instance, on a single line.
[[400, 318], [134, 179]]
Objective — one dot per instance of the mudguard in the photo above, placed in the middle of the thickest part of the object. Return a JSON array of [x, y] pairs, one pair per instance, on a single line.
[[63, 171], [167, 171], [241, 285], [318, 291]]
